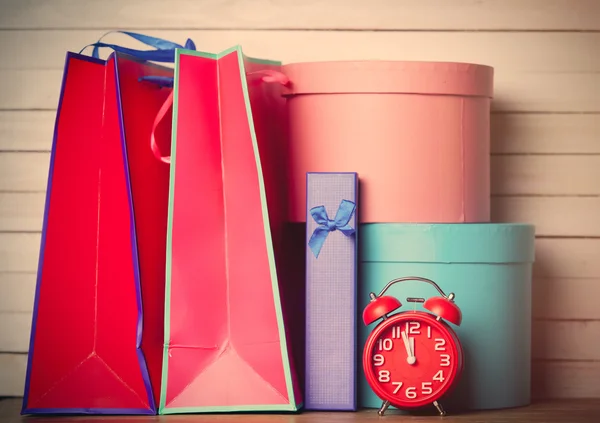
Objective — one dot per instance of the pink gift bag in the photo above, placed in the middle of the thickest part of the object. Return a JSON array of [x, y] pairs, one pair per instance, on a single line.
[[226, 342], [417, 133]]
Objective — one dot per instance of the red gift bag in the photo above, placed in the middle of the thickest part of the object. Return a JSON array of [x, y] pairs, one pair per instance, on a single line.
[[97, 332], [227, 344]]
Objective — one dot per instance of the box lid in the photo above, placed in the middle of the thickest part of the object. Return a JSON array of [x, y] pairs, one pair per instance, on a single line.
[[447, 243], [407, 77]]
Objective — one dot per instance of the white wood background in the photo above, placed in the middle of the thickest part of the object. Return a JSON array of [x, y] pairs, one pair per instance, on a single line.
[[545, 129]]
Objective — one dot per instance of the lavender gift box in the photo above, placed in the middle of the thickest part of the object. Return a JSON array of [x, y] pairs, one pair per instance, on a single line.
[[331, 289]]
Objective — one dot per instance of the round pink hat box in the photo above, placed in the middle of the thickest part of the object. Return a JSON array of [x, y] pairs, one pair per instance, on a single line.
[[417, 134]]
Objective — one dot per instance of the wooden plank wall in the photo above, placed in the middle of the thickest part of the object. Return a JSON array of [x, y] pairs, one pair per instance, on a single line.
[[545, 129]]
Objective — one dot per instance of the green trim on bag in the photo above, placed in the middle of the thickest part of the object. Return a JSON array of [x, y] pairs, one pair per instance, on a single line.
[[230, 409], [167, 318], [260, 61], [285, 357]]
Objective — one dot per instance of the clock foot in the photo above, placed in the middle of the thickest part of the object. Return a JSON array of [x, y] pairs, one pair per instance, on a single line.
[[384, 407], [440, 409]]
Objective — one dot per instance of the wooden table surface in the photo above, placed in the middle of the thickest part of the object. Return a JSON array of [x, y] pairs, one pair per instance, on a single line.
[[567, 411]]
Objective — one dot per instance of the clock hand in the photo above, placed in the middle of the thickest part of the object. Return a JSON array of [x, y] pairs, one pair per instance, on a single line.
[[410, 359], [406, 344], [412, 348]]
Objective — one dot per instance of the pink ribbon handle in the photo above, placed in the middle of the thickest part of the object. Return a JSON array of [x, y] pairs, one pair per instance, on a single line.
[[272, 76], [267, 76], [162, 112]]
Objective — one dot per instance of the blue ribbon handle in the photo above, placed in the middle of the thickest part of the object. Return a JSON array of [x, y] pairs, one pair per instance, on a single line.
[[326, 225], [161, 81], [164, 51]]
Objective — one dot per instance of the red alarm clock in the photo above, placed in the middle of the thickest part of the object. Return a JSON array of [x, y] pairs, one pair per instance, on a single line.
[[412, 358]]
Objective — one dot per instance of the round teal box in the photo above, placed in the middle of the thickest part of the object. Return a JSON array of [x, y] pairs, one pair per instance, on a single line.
[[488, 267]]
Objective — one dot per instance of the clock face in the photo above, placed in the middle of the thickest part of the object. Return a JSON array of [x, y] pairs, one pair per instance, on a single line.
[[411, 359]]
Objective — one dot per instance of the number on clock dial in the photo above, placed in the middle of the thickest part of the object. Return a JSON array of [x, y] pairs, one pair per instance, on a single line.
[[434, 360], [410, 328]]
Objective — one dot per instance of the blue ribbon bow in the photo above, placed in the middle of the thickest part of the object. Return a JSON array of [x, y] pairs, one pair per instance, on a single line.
[[326, 225]]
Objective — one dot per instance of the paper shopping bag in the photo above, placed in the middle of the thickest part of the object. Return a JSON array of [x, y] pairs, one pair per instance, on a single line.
[[226, 343], [96, 338]]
